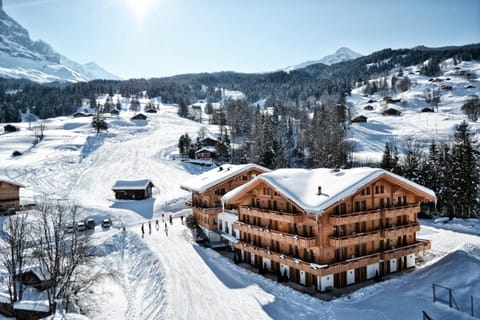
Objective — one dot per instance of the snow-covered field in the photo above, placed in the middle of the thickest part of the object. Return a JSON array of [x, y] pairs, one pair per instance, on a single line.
[[369, 138], [160, 276]]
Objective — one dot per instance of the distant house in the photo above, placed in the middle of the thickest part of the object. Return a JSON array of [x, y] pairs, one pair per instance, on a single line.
[[139, 116], [34, 277], [115, 112], [470, 86], [10, 128], [427, 109], [369, 107], [151, 110], [209, 141], [9, 194], [206, 153], [6, 307], [392, 112], [31, 309], [82, 115], [359, 119], [133, 189], [446, 87]]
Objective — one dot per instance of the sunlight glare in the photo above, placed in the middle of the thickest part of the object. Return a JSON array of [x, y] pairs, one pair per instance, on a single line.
[[139, 8]]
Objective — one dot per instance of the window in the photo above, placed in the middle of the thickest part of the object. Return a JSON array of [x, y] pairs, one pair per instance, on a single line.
[[343, 208], [244, 177], [377, 190], [356, 206], [363, 205], [382, 190], [367, 190]]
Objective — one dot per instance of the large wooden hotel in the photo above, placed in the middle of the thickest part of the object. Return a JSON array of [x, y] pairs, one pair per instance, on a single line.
[[320, 228]]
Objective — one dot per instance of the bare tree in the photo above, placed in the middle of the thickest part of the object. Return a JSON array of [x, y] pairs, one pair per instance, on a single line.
[[13, 255], [60, 253], [432, 97]]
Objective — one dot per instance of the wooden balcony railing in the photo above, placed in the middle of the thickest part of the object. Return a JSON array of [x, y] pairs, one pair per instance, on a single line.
[[272, 214], [399, 230], [394, 253], [267, 235], [355, 217], [394, 212], [354, 238]]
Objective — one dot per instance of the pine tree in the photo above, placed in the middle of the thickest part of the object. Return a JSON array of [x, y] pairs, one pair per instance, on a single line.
[[99, 122]]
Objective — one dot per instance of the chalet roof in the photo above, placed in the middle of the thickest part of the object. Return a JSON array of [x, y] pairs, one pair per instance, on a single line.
[[215, 176], [9, 181], [207, 148], [131, 184], [32, 305], [301, 185]]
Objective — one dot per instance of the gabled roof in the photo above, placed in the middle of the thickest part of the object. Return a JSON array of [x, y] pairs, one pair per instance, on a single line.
[[207, 148], [301, 185], [6, 180], [215, 176], [131, 184]]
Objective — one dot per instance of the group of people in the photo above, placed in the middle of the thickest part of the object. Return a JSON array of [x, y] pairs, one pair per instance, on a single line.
[[157, 226]]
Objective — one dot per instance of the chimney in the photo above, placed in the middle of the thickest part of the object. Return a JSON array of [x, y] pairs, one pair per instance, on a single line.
[[319, 190]]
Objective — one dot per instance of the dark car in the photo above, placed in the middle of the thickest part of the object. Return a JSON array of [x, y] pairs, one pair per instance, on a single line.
[[69, 228], [106, 223], [90, 223], [81, 226]]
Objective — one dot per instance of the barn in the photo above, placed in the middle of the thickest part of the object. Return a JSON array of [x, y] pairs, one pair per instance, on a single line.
[[9, 194], [133, 189]]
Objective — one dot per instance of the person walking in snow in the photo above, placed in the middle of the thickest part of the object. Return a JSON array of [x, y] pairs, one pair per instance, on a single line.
[[163, 217], [166, 228], [156, 225], [181, 219], [170, 217], [149, 227], [143, 230]]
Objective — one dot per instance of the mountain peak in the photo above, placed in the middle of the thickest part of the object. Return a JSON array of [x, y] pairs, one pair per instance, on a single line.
[[342, 54]]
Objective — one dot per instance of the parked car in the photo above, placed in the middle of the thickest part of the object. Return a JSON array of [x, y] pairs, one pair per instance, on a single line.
[[81, 226], [69, 228], [106, 223], [90, 223]]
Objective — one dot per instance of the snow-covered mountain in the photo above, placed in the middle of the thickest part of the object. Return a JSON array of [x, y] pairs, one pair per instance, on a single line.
[[341, 55], [21, 57]]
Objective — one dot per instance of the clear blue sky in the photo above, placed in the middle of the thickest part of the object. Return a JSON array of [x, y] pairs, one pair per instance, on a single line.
[[149, 38]]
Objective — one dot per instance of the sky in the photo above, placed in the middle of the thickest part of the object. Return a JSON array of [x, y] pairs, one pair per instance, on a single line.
[[154, 38]]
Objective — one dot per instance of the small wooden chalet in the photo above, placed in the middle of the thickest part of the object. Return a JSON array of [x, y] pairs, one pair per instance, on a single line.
[[392, 112], [115, 112], [207, 190], [139, 116], [151, 110], [34, 277], [206, 153], [427, 109], [133, 189], [82, 115], [369, 107], [359, 119], [31, 309], [9, 194], [10, 128]]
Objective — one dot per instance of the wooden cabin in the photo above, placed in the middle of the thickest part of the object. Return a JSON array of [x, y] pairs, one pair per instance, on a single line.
[[139, 116], [208, 188], [359, 119], [10, 128], [328, 228], [427, 109], [34, 277], [206, 153], [114, 112], [392, 112], [369, 107], [9, 195], [151, 110], [82, 115], [133, 189]]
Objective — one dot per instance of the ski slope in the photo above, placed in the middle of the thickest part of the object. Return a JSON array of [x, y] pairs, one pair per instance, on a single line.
[[160, 276]]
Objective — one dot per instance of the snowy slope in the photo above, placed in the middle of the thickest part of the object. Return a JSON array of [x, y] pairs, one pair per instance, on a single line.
[[369, 138], [341, 55], [160, 276], [20, 57]]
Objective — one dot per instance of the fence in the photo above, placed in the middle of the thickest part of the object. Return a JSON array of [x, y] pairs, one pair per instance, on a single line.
[[457, 300]]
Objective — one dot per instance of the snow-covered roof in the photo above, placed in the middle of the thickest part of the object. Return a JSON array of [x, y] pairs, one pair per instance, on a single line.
[[4, 179], [42, 276], [301, 185], [32, 305], [207, 148], [215, 176], [131, 184], [4, 298]]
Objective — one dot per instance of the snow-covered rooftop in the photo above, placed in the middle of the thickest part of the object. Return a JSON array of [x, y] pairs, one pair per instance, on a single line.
[[131, 184], [207, 148], [301, 185], [4, 179], [32, 305], [215, 176]]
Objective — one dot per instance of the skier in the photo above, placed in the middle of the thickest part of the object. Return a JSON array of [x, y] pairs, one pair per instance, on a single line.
[[163, 217], [149, 227], [181, 219], [170, 217], [156, 224], [143, 230], [166, 228]]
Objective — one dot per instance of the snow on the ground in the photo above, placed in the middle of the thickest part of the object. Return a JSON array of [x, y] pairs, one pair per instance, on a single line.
[[369, 138], [170, 277]]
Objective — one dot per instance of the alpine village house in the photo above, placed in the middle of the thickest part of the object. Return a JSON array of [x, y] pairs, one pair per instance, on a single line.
[[207, 190], [325, 228]]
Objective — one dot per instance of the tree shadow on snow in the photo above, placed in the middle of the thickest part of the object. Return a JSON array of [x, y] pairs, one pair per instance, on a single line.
[[143, 208]]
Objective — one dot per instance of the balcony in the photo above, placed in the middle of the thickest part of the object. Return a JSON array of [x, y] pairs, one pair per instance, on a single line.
[[272, 214], [189, 203], [355, 217], [400, 230], [354, 239], [267, 235], [394, 212], [417, 247]]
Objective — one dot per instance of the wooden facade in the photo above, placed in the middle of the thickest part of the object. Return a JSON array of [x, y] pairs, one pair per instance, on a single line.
[[9, 195], [206, 200], [133, 189], [368, 233]]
